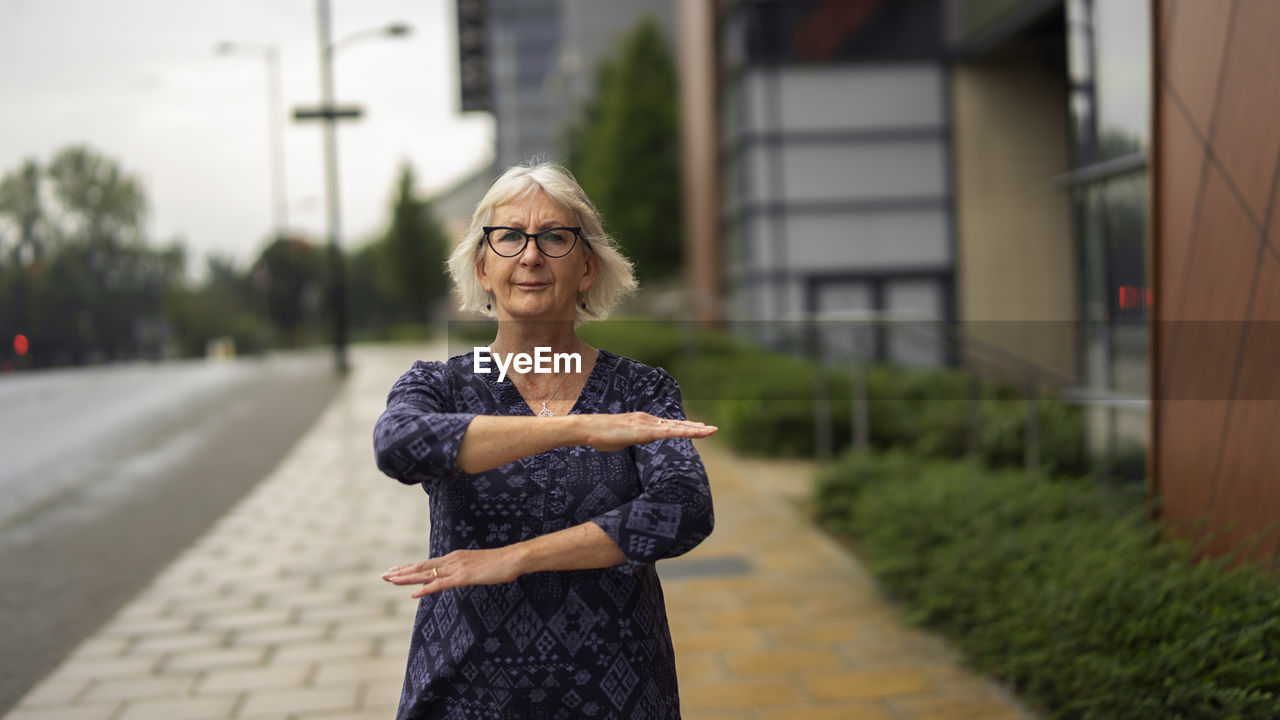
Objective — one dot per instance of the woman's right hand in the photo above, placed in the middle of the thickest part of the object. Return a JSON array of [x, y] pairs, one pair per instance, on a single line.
[[611, 432]]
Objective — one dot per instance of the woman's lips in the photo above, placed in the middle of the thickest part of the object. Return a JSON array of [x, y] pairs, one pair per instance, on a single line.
[[531, 285]]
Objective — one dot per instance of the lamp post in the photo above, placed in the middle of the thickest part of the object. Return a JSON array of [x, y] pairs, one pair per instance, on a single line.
[[330, 114], [275, 131]]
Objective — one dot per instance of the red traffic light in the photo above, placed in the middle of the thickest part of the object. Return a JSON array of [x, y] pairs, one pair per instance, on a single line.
[[20, 344]]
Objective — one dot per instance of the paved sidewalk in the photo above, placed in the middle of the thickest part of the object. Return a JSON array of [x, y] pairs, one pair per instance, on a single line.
[[278, 612]]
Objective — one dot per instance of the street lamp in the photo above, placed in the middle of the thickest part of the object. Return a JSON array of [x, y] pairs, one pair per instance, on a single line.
[[330, 114], [275, 133]]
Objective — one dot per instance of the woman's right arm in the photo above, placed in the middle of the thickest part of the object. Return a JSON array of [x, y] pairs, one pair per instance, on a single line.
[[420, 435], [492, 440]]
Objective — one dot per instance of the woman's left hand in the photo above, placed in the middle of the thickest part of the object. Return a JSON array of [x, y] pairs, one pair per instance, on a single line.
[[457, 569]]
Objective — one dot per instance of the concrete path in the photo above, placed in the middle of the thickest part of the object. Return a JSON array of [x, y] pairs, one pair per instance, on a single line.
[[278, 611]]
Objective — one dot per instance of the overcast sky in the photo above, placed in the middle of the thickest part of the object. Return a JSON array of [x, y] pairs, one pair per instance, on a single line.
[[139, 81]]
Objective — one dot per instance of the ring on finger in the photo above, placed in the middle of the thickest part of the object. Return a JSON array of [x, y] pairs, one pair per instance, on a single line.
[[435, 573]]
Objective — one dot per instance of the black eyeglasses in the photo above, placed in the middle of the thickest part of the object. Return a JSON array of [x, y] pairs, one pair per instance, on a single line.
[[554, 242]]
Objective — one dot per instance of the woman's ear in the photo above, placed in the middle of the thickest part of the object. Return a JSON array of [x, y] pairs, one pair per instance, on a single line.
[[590, 273], [482, 276]]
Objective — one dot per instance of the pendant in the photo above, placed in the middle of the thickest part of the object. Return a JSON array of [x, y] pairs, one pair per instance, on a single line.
[[546, 411]]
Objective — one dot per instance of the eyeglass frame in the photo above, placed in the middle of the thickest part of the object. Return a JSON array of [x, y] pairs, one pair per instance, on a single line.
[[577, 235]]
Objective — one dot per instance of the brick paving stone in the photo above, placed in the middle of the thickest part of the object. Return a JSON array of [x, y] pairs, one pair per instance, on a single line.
[[143, 625], [233, 681], [100, 646], [821, 631], [368, 714], [57, 690], [766, 662], [692, 641], [192, 660], [138, 688], [96, 712], [106, 667], [270, 617], [155, 644], [357, 669], [269, 636], [277, 704], [384, 693], [816, 711], [726, 694], [954, 708], [203, 708], [718, 715], [847, 684], [700, 666], [323, 650]]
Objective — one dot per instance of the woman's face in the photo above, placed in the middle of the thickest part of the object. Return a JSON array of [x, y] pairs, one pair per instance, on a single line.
[[532, 285]]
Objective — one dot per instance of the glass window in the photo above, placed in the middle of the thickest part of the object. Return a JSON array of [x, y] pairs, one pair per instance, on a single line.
[[1109, 70]]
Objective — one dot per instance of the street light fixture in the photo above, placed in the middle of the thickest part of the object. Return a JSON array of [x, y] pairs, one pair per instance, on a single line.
[[330, 114], [275, 131]]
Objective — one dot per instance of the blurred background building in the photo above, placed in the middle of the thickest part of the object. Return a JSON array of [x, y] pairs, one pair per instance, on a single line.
[[976, 170]]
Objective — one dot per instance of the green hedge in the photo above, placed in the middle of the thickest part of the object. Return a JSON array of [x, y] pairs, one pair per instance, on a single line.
[[763, 400], [1060, 588]]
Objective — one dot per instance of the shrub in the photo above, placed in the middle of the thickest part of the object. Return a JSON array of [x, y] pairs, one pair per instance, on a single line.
[[1062, 588]]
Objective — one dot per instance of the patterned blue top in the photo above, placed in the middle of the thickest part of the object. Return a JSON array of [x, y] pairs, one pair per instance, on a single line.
[[550, 645]]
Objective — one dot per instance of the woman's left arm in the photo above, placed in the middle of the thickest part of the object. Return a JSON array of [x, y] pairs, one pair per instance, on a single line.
[[670, 516], [673, 512], [581, 547]]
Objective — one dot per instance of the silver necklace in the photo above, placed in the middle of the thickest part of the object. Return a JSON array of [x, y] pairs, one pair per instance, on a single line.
[[545, 411]]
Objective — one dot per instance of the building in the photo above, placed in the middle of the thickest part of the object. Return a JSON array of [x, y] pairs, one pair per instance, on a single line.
[[532, 64], [999, 166]]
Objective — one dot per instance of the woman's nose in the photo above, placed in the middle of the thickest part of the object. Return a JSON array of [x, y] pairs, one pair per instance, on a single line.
[[532, 254]]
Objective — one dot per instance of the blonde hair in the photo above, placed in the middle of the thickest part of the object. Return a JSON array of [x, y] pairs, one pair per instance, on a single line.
[[615, 279]]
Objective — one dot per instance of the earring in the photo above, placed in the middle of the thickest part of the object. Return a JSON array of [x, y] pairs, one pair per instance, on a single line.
[[582, 303], [489, 305]]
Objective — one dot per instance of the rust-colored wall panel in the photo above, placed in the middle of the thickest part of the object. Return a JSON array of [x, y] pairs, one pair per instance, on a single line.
[[1246, 134], [1183, 159], [1217, 393], [1186, 489], [1248, 496], [1259, 377], [1224, 251], [1194, 54]]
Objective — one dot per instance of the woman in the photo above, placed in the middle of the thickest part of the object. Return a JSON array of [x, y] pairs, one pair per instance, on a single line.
[[552, 494]]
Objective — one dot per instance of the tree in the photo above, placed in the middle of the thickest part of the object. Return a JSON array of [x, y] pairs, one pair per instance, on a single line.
[[625, 151], [81, 282], [291, 274], [413, 251]]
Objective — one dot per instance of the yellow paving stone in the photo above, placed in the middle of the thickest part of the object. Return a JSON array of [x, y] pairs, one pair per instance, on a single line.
[[950, 707], [700, 667], [818, 631], [740, 693], [754, 617], [869, 710], [867, 683], [718, 639], [781, 662], [716, 714]]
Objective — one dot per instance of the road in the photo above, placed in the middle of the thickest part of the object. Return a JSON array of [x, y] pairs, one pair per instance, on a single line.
[[108, 473]]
